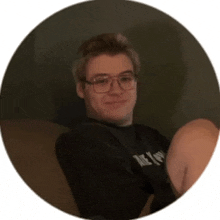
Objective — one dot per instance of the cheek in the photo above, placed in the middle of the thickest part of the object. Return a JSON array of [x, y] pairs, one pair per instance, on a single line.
[[94, 101], [133, 97]]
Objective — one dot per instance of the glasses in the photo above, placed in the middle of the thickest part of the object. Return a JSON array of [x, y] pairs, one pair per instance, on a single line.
[[102, 83]]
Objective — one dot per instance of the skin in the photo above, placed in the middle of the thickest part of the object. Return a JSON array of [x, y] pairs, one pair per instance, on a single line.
[[115, 106], [192, 145], [189, 153], [105, 107]]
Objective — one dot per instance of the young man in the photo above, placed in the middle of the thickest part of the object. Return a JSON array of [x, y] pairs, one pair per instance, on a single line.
[[115, 169]]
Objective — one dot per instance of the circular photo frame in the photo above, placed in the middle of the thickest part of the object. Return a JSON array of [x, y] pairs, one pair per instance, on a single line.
[[177, 95]]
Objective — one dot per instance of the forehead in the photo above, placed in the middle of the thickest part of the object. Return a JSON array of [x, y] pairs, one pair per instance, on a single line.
[[108, 64]]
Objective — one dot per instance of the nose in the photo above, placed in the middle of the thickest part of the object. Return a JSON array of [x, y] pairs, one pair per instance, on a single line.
[[115, 87]]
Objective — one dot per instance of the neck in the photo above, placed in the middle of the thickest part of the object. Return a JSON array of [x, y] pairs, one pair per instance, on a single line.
[[120, 123], [123, 123]]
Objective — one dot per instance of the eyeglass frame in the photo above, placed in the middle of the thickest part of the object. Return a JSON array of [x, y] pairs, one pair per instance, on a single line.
[[111, 77]]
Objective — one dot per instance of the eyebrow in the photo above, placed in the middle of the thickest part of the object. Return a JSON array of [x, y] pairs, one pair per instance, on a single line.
[[106, 74]]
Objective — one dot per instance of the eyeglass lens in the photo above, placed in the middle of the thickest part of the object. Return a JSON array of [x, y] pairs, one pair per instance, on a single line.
[[103, 84]]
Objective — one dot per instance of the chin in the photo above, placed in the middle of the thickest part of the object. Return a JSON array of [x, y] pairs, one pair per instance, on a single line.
[[118, 118]]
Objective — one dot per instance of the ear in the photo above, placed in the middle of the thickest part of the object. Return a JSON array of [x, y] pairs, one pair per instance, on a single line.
[[80, 90]]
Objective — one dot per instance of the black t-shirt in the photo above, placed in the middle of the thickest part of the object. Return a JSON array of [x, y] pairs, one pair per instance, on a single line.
[[113, 170]]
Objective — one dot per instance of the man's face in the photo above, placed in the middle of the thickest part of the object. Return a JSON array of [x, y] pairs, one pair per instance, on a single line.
[[116, 105]]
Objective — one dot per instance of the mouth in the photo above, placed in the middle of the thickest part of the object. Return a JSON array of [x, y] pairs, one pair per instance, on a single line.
[[116, 102]]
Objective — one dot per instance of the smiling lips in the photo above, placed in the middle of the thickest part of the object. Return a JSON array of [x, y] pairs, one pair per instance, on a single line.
[[116, 102]]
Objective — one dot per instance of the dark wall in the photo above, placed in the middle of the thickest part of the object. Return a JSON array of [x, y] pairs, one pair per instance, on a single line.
[[178, 83]]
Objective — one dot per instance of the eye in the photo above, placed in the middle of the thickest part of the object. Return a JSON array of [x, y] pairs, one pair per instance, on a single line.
[[126, 78], [101, 80]]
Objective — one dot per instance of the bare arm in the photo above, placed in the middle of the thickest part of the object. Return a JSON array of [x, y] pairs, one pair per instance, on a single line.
[[190, 151], [146, 210]]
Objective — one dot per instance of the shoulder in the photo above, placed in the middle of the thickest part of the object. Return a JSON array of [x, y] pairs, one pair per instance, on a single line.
[[84, 131], [152, 135], [142, 127], [82, 136], [146, 130], [65, 140]]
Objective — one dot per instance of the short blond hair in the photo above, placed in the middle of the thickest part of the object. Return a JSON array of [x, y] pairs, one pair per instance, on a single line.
[[109, 43]]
